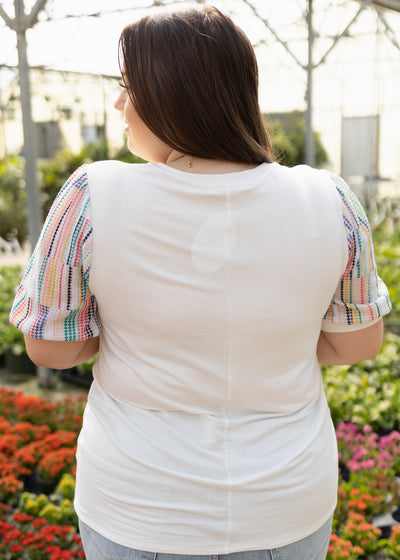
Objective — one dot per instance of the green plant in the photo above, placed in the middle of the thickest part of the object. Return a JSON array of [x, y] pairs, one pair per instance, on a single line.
[[387, 252], [66, 487], [367, 393], [362, 534], [288, 140], [392, 545], [32, 504], [342, 549], [13, 198], [10, 337], [56, 508], [54, 173]]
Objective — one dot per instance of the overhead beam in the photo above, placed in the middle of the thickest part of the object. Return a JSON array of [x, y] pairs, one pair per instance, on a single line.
[[274, 33], [8, 21], [364, 5], [388, 4], [36, 9], [390, 32]]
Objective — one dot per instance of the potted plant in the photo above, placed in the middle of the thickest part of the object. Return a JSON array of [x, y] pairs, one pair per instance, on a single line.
[[12, 346]]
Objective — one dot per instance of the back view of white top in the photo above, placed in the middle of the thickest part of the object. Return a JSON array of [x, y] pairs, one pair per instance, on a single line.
[[207, 430]]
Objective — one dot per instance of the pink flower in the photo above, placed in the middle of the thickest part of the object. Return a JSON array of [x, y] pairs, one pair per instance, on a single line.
[[369, 464], [361, 452], [353, 465]]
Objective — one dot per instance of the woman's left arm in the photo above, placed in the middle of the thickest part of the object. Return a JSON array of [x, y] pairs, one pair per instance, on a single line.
[[352, 347], [60, 355], [352, 328], [53, 306]]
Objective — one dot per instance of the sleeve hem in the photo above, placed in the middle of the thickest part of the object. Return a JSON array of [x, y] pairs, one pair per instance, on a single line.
[[328, 326]]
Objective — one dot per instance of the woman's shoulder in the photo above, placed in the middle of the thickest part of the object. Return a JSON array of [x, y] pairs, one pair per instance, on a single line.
[[315, 182], [111, 166], [114, 172], [300, 172]]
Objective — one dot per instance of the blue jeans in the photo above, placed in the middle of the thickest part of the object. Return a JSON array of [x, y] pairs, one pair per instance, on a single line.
[[313, 547]]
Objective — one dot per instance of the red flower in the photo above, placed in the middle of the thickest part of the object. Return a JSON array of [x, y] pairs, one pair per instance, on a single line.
[[60, 438], [22, 517], [39, 522], [4, 425], [56, 462], [9, 484], [8, 443], [12, 535], [4, 527]]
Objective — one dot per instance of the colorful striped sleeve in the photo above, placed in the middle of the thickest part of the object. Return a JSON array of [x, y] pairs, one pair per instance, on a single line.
[[53, 301], [361, 297]]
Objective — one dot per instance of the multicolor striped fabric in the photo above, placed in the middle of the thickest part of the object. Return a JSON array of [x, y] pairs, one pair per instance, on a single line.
[[361, 296], [54, 302]]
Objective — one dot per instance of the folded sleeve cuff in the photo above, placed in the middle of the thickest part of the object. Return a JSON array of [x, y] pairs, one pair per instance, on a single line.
[[328, 326]]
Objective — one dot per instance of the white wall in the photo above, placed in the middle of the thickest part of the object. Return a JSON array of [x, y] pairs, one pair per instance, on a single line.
[[361, 77], [90, 99]]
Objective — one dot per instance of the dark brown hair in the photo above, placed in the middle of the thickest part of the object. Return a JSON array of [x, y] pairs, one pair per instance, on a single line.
[[192, 76]]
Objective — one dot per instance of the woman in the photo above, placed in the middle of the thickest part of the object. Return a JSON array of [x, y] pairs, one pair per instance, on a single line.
[[211, 280]]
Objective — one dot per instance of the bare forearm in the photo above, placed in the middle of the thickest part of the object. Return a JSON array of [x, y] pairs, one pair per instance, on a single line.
[[351, 347], [328, 354], [61, 355]]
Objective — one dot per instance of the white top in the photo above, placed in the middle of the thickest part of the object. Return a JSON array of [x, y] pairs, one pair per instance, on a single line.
[[207, 430]]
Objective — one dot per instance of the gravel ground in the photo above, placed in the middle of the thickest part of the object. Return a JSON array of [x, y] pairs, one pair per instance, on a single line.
[[29, 384]]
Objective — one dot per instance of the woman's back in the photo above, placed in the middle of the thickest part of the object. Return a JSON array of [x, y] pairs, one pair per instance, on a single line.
[[207, 392], [204, 284]]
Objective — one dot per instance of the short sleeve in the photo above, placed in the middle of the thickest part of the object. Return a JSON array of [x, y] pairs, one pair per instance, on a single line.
[[53, 301], [361, 297]]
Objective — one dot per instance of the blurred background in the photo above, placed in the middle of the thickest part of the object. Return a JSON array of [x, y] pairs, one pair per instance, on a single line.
[[329, 91]]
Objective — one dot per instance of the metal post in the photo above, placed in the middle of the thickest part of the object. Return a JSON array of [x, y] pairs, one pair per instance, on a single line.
[[105, 123], [310, 143], [30, 150], [3, 126], [45, 375]]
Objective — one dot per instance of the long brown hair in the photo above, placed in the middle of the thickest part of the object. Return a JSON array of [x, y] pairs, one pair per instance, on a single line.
[[193, 78]]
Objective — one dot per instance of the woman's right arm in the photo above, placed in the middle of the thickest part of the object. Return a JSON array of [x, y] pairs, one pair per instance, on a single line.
[[352, 328], [345, 348], [61, 354]]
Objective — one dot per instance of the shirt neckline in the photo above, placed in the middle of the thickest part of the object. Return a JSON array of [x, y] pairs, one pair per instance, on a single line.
[[260, 169]]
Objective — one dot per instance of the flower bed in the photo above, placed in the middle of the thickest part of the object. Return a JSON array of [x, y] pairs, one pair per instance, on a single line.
[[364, 401], [27, 537], [368, 489], [37, 465]]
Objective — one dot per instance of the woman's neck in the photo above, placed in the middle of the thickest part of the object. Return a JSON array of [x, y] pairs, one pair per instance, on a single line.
[[192, 164]]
